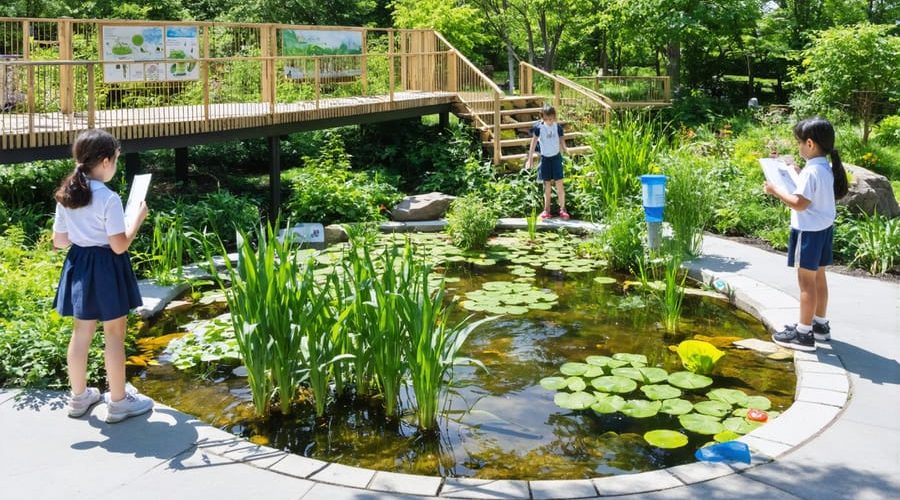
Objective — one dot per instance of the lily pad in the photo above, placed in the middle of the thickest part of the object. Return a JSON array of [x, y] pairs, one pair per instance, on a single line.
[[713, 408], [660, 391], [554, 383], [757, 402], [574, 369], [616, 363], [676, 407], [574, 400], [729, 396], [701, 424], [628, 372], [662, 438], [576, 384], [516, 310], [613, 383], [740, 425], [604, 280], [740, 412], [688, 380], [541, 306], [641, 408], [594, 371], [608, 403], [629, 358], [653, 375], [726, 436], [598, 360]]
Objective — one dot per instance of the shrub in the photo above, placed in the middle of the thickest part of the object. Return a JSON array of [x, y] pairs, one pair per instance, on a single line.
[[621, 243], [689, 200], [888, 131], [875, 243], [470, 222]]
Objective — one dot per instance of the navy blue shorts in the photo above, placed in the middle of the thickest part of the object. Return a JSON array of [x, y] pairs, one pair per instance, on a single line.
[[811, 248], [97, 284], [551, 168]]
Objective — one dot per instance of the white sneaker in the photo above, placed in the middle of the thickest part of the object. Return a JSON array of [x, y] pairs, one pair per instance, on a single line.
[[131, 405], [129, 389], [80, 404]]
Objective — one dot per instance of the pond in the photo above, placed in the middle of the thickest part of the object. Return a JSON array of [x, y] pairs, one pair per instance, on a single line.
[[499, 422]]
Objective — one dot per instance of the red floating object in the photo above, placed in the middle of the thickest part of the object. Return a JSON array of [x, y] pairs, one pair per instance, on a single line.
[[757, 415]]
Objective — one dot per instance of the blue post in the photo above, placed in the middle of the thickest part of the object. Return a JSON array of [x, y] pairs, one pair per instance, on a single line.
[[653, 188]]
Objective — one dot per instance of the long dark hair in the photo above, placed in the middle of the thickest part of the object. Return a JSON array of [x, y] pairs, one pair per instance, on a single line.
[[90, 149], [821, 132]]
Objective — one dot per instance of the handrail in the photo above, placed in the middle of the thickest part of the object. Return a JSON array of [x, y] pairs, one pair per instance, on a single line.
[[464, 59], [590, 94], [665, 80]]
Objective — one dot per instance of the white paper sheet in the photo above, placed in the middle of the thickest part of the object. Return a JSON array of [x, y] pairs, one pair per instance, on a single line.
[[780, 174], [139, 187]]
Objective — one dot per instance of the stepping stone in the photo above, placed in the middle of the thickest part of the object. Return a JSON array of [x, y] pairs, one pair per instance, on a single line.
[[760, 346], [177, 306]]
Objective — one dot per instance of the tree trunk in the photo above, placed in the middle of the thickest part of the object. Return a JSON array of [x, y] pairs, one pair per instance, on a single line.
[[542, 23], [673, 67], [656, 60], [511, 64], [750, 91], [604, 55]]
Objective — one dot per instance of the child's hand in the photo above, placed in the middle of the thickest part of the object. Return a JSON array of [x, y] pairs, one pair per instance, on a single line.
[[528, 164], [142, 213], [769, 188]]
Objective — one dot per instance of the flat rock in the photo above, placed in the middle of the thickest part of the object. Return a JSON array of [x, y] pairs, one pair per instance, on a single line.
[[760, 346], [335, 233], [870, 192], [429, 206], [177, 306]]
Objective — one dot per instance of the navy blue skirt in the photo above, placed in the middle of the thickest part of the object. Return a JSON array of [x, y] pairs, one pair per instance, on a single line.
[[97, 284]]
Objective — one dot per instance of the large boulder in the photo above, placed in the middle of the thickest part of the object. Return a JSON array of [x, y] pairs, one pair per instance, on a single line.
[[335, 233], [870, 192], [428, 206]]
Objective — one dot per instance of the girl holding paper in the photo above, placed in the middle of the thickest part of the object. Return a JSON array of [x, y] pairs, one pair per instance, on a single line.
[[812, 206], [97, 281]]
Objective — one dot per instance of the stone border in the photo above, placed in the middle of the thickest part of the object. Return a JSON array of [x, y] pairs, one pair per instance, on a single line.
[[822, 392]]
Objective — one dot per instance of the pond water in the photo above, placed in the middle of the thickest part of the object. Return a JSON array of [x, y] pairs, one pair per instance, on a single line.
[[501, 423]]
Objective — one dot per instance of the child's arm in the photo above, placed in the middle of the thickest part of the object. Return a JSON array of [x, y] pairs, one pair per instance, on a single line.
[[794, 201], [120, 242], [528, 160], [562, 145], [61, 240]]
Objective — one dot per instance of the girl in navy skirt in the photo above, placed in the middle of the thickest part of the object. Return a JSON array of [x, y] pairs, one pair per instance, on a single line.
[[97, 282]]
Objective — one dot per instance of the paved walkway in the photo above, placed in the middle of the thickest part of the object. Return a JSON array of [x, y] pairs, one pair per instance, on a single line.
[[44, 455]]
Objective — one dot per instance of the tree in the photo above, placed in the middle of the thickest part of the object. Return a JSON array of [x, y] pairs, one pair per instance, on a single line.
[[854, 68], [460, 23]]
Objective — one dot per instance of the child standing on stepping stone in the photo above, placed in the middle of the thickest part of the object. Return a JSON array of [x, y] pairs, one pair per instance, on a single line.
[[812, 207], [549, 134], [97, 281]]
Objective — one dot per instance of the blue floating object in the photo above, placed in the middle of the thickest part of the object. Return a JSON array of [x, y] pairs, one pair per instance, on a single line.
[[653, 188], [729, 451]]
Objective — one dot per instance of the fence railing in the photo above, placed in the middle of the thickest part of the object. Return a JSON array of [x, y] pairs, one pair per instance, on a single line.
[[643, 89], [574, 103]]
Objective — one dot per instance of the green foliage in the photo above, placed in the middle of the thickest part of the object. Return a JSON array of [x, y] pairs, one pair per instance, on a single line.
[[326, 190], [689, 200], [459, 22], [888, 131], [698, 356], [666, 270], [875, 243], [470, 222], [621, 243], [31, 185]]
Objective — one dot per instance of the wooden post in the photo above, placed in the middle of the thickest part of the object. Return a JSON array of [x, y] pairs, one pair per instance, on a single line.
[[204, 77], [403, 61], [274, 177], [556, 94], [30, 101], [26, 40], [364, 73], [91, 97], [522, 83], [444, 120], [132, 166], [181, 164], [318, 80], [392, 64], [452, 71], [496, 128], [66, 72], [667, 89], [268, 66]]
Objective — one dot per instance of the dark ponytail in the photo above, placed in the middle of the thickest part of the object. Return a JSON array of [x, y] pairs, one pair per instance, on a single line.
[[90, 149], [821, 132]]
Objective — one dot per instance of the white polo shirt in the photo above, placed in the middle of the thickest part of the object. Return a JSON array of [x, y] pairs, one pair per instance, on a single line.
[[93, 224], [816, 184]]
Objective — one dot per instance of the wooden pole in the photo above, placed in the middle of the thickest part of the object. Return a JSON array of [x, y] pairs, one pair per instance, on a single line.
[[274, 177], [181, 164], [452, 71], [91, 97], [266, 51], [496, 133], [556, 93], [204, 77], [391, 64], [318, 81], [66, 72], [667, 89], [364, 73]]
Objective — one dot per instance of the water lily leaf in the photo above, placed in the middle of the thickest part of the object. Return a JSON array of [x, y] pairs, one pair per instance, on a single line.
[[630, 358], [573, 368], [701, 424], [713, 408], [628, 372], [496, 285], [662, 438], [608, 403], [676, 406], [740, 412], [516, 310], [613, 383], [598, 360], [616, 363], [576, 384], [653, 375], [641, 408], [594, 371], [773, 414], [688, 380], [553, 266], [604, 280], [698, 356], [541, 306], [471, 305], [730, 396], [574, 400], [553, 383], [660, 391], [757, 403], [740, 425], [725, 436]]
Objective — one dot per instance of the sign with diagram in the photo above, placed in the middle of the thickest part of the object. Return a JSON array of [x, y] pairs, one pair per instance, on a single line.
[[305, 43], [129, 45]]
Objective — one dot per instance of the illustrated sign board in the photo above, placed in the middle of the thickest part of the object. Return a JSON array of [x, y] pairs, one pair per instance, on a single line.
[[304, 43], [129, 45], [311, 234]]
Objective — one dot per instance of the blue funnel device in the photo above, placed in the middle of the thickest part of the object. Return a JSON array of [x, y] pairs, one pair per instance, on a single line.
[[653, 188]]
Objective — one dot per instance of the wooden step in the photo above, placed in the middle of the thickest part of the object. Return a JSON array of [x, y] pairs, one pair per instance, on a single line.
[[505, 112], [527, 140], [576, 151], [511, 98]]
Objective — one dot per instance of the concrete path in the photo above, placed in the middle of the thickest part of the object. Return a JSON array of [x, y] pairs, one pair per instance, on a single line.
[[170, 455]]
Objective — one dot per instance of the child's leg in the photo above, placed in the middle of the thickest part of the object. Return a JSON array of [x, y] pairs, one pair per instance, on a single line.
[[77, 355], [821, 293], [808, 290], [114, 354], [548, 192], [561, 194]]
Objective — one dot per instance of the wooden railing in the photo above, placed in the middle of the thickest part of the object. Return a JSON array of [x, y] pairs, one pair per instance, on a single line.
[[54, 81], [574, 103], [631, 89]]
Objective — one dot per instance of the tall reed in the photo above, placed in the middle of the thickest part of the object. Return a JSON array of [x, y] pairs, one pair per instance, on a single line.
[[689, 200], [663, 278]]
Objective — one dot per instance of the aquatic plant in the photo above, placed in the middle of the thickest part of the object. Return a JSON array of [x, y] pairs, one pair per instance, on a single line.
[[470, 222], [531, 222], [698, 356]]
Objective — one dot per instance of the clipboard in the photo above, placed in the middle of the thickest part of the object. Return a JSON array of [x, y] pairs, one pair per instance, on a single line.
[[780, 174], [139, 187]]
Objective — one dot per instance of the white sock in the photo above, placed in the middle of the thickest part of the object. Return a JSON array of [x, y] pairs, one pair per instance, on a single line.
[[804, 328], [819, 320]]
